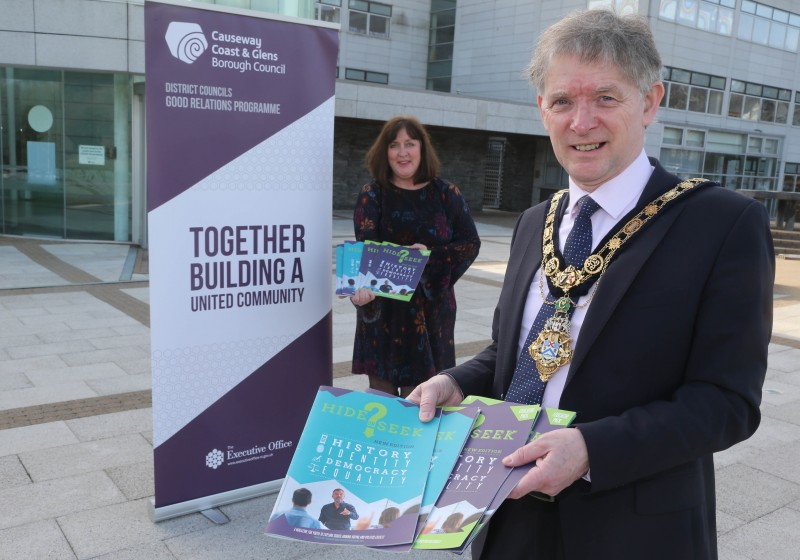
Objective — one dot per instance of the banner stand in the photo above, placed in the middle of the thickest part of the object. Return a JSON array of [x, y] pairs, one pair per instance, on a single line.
[[240, 110], [207, 502]]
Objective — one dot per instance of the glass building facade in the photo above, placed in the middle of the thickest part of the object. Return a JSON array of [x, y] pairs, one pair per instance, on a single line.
[[66, 154]]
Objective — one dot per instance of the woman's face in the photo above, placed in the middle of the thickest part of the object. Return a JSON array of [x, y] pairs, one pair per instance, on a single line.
[[404, 154]]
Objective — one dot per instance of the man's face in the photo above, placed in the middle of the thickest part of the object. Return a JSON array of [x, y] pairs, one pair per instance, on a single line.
[[338, 496], [595, 117]]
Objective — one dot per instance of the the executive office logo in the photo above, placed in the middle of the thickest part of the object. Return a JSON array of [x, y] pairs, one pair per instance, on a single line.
[[233, 456], [186, 41], [214, 459]]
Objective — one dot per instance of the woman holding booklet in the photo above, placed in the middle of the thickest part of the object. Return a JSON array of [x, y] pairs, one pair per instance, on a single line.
[[401, 344]]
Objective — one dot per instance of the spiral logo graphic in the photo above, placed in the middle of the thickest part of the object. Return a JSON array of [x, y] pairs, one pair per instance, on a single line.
[[215, 459], [186, 41]]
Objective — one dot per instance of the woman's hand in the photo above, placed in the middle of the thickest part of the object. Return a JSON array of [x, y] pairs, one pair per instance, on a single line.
[[418, 246], [362, 297]]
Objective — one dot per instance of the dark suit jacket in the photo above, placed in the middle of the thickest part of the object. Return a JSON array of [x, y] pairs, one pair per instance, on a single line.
[[668, 370]]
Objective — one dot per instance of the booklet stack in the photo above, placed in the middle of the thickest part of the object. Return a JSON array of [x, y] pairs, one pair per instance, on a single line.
[[389, 270], [367, 472]]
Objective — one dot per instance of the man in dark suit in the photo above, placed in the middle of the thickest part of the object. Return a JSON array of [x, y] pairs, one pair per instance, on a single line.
[[658, 340]]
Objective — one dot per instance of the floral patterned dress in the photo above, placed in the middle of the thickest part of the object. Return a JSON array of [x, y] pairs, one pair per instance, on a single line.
[[406, 343]]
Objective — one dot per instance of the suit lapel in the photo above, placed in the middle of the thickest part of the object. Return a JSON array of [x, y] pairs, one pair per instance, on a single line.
[[621, 273]]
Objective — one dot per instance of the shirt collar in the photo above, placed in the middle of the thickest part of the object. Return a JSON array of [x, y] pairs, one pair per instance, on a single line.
[[617, 196]]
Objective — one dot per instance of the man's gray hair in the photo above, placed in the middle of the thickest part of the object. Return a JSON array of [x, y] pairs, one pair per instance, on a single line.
[[600, 36]]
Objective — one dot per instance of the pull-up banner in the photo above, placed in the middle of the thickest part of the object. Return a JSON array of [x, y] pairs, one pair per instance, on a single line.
[[240, 109]]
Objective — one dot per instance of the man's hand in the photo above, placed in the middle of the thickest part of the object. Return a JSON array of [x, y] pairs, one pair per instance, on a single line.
[[344, 511], [560, 458], [439, 390]]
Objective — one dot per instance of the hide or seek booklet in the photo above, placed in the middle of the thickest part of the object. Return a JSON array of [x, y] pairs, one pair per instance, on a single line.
[[389, 270]]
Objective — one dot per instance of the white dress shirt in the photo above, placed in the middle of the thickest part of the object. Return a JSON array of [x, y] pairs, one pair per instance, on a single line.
[[616, 198]]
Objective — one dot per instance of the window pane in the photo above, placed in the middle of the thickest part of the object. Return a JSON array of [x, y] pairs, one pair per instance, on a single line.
[[379, 26], [781, 112], [792, 39], [771, 146], [700, 79], [796, 116], [760, 31], [698, 99], [377, 77], [707, 17], [678, 95], [441, 52], [748, 6], [763, 11], [753, 89], [358, 22], [735, 105], [682, 76], [746, 27], [725, 21], [672, 136], [718, 83], [667, 9], [328, 13], [715, 102], [777, 35], [351, 74], [725, 142], [688, 12], [443, 19], [754, 144], [695, 138], [359, 5], [767, 110], [737, 86], [752, 109], [781, 16], [380, 9]]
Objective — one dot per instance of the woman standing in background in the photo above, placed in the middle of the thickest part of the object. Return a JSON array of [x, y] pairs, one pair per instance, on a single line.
[[401, 344]]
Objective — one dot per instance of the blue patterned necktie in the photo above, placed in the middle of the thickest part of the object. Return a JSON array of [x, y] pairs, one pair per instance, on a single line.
[[526, 386]]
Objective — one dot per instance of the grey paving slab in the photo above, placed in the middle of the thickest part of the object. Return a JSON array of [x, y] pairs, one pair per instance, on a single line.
[[34, 438], [12, 473], [151, 551], [51, 376], [85, 457], [59, 392], [123, 384], [41, 539], [104, 426], [134, 480], [747, 493], [53, 498], [107, 355], [785, 360], [111, 528], [46, 349], [781, 461], [12, 380], [772, 537]]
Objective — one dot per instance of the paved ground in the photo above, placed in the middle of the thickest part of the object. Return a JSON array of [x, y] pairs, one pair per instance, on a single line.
[[75, 419]]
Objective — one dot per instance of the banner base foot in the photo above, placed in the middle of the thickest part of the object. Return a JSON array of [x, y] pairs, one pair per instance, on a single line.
[[215, 516]]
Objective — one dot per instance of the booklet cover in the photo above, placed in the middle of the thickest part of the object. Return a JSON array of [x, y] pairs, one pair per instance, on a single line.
[[389, 270], [371, 453], [455, 426], [349, 269], [552, 419], [473, 482]]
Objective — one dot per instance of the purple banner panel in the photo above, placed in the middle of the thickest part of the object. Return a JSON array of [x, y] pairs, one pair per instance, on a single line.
[[220, 83]]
